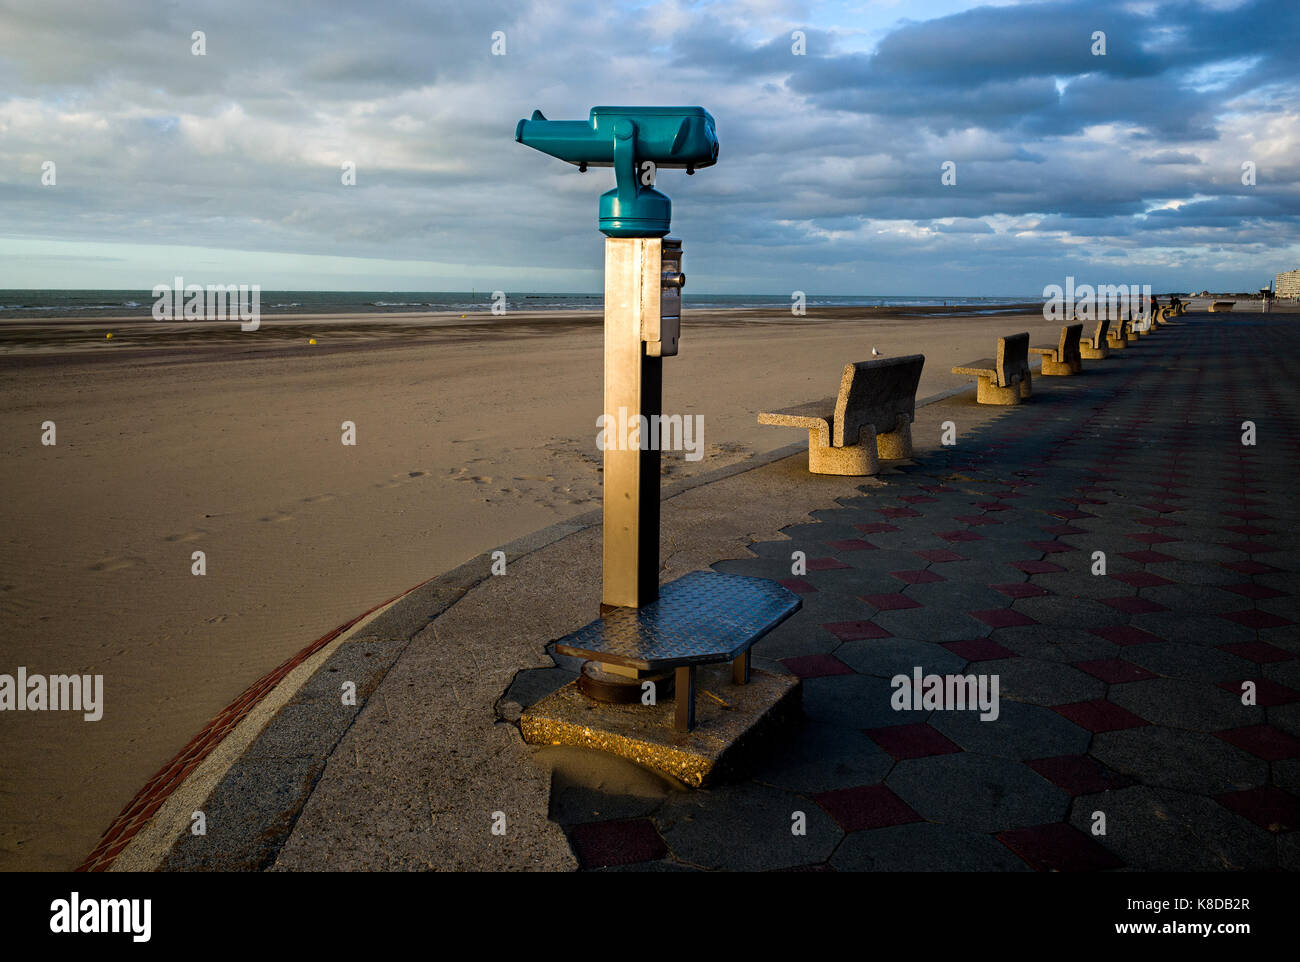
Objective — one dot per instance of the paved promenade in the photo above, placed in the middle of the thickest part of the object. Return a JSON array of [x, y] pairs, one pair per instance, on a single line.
[[1120, 694]]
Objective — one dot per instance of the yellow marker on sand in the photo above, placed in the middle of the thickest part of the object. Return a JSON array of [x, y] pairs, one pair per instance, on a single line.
[[312, 341], [109, 335]]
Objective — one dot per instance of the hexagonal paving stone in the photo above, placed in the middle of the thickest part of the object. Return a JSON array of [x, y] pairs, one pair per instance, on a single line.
[[820, 758], [1020, 731], [1058, 847], [1041, 682], [1193, 662], [977, 792], [1069, 612], [924, 847], [1159, 830], [886, 657], [1191, 628], [854, 701], [931, 624], [745, 828], [1180, 703], [1051, 643], [1187, 761]]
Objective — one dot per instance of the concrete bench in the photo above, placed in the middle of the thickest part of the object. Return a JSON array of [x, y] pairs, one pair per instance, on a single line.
[[702, 618], [1063, 359], [1218, 306], [1097, 347], [870, 418], [1121, 335], [1004, 379]]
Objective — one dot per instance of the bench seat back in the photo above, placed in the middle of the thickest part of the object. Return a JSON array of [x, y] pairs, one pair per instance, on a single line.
[[1013, 359], [1099, 339], [876, 392], [1068, 351]]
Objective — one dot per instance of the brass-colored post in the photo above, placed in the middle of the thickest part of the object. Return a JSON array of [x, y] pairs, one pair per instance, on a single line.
[[633, 389]]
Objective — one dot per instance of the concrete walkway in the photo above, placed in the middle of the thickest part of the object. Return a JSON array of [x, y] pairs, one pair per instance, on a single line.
[[1120, 694]]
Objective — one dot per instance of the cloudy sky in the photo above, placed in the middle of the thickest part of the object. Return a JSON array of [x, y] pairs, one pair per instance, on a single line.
[[226, 167]]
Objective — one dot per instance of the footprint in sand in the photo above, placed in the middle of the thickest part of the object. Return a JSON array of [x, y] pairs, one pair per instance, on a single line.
[[115, 564], [278, 518], [318, 499], [186, 536]]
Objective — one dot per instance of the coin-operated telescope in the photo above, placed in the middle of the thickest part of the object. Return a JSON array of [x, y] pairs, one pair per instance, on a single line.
[[643, 283], [629, 139]]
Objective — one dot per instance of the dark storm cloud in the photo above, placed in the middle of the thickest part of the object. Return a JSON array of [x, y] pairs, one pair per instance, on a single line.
[[830, 162]]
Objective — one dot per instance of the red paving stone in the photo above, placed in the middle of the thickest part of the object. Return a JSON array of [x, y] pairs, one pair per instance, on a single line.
[[816, 666], [1079, 774], [1114, 671], [1021, 589], [960, 536], [1099, 715], [912, 741], [1253, 591], [798, 585], [939, 555], [877, 527], [1253, 618], [869, 806], [1267, 693], [1260, 652], [1269, 743], [851, 544], [1002, 618], [626, 842], [920, 577], [1268, 807], [856, 630], [891, 602], [1058, 848]]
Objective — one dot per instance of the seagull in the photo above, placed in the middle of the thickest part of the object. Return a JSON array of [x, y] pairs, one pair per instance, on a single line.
[[875, 353]]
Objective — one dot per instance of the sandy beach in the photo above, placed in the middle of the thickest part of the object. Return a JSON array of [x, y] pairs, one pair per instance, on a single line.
[[174, 439]]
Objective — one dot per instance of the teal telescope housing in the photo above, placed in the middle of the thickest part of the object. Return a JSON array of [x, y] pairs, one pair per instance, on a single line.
[[627, 139]]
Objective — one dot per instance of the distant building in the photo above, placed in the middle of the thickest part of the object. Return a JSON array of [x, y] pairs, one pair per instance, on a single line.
[[1288, 284]]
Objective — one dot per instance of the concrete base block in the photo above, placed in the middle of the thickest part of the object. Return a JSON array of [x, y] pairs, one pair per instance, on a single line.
[[895, 445], [851, 460], [988, 392], [732, 723], [1117, 343], [1093, 353], [1059, 368]]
